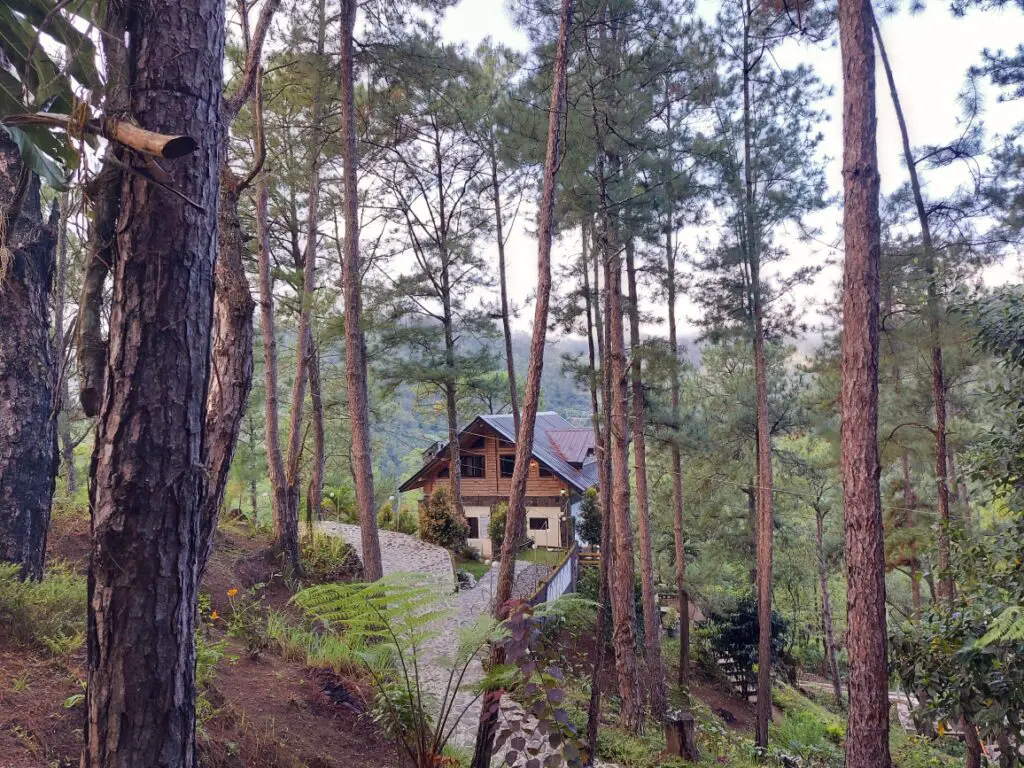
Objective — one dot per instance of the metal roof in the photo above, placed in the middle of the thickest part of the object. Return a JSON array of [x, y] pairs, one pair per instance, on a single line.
[[574, 445], [546, 450]]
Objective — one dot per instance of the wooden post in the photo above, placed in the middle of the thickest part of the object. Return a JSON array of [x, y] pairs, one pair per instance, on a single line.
[[681, 736]]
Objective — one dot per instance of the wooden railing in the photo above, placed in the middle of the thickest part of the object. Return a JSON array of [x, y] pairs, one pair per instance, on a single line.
[[560, 581]]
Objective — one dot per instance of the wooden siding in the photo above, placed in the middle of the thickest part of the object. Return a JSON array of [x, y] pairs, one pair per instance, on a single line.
[[492, 484]]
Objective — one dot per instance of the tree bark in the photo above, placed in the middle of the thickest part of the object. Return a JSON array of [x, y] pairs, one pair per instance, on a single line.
[[827, 625], [315, 489], [272, 437], [867, 741], [148, 477], [765, 486], [678, 529], [355, 342], [652, 616], [506, 323], [604, 471], [233, 305], [28, 373], [62, 393], [516, 516], [946, 585], [622, 584]]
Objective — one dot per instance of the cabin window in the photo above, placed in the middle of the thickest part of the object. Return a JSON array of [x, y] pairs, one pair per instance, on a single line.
[[473, 466], [477, 445], [474, 527], [545, 472], [502, 443], [539, 523], [443, 472], [508, 465]]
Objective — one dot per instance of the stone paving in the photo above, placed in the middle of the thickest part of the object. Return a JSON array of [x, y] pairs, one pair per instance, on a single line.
[[401, 553]]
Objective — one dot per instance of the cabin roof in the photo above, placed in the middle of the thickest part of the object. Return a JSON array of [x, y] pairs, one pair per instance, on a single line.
[[555, 444]]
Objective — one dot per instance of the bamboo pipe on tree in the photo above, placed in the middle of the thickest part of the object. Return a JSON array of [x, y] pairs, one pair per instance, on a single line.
[[121, 131]]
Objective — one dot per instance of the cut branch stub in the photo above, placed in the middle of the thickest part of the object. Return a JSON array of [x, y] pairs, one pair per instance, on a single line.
[[121, 131]]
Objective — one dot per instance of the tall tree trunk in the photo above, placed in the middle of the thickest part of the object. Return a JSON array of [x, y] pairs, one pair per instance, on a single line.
[[148, 476], [910, 502], [678, 529], [286, 525], [315, 489], [867, 742], [516, 516], [61, 393], [506, 323], [652, 616], [28, 374], [232, 366], [233, 305], [826, 607], [272, 436], [623, 609], [946, 585], [765, 486], [604, 471], [355, 342]]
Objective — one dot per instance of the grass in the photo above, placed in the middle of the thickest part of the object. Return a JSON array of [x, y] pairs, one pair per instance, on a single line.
[[49, 614], [551, 557], [476, 567]]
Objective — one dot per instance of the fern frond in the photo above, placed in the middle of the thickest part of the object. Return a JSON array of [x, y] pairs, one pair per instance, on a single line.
[[1008, 627]]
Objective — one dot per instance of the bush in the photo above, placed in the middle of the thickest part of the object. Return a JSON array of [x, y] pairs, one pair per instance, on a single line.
[[440, 524], [590, 518], [403, 522], [737, 639], [496, 530], [49, 614], [328, 558]]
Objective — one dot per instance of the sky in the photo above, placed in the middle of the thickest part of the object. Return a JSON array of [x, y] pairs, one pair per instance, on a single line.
[[930, 53]]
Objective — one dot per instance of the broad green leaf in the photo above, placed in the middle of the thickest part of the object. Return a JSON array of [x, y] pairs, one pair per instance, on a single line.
[[44, 165]]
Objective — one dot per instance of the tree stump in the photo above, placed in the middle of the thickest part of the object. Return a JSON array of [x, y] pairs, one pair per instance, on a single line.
[[681, 735]]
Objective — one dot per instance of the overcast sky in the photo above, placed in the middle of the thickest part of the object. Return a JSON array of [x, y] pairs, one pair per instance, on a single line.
[[930, 53]]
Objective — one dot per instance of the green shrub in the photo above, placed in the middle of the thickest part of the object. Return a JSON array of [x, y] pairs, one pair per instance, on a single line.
[[328, 558], [49, 614], [248, 619], [440, 524], [496, 528], [403, 522], [590, 518], [737, 639]]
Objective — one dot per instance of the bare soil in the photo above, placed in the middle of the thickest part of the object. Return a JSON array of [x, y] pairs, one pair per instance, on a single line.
[[270, 712]]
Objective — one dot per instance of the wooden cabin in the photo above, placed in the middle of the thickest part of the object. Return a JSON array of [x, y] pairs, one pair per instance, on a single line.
[[562, 468]]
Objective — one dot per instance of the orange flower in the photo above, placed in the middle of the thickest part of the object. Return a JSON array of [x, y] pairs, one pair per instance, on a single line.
[[214, 616], [232, 592]]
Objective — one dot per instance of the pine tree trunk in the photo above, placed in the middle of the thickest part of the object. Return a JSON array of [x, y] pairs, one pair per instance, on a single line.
[[946, 585], [974, 749], [62, 405], [355, 341], [652, 616], [765, 524], [516, 516], [678, 529], [826, 608], [603, 458], [315, 489], [506, 324], [233, 305], [867, 742], [148, 479], [232, 366], [272, 436], [622, 584], [28, 373]]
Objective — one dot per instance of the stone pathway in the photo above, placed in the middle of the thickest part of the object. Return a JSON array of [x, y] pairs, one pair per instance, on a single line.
[[401, 553]]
